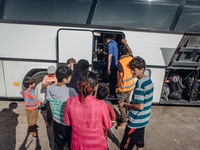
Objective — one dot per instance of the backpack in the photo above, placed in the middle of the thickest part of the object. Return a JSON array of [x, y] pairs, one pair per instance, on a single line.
[[165, 92], [188, 87], [175, 86]]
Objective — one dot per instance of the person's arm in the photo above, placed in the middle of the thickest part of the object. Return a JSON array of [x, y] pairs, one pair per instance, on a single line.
[[134, 106], [44, 82], [112, 113], [124, 41], [66, 113], [137, 100], [119, 80], [121, 73], [105, 116], [109, 63]]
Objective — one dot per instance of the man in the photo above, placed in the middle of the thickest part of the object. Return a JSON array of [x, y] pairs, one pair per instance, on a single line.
[[113, 51], [125, 83]]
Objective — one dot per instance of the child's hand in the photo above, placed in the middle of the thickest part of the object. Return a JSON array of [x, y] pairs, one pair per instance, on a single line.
[[121, 105]]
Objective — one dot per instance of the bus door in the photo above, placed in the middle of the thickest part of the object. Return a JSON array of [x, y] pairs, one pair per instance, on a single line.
[[77, 44], [2, 81]]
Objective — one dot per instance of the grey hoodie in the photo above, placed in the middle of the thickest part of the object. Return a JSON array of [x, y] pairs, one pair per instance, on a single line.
[[57, 96]]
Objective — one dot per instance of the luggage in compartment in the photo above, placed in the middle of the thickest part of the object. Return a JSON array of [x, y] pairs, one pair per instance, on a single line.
[[182, 85]]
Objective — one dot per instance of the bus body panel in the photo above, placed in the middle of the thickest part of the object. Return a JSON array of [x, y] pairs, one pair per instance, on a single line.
[[36, 42], [157, 77], [28, 41], [2, 81], [77, 44], [15, 72], [148, 45]]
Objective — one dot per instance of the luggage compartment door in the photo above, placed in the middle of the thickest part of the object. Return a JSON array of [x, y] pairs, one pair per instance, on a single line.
[[77, 44]]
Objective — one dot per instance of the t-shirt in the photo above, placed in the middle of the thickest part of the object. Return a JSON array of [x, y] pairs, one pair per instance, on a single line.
[[31, 100], [113, 49], [143, 94]]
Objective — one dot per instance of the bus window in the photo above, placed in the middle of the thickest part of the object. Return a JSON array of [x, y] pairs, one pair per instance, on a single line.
[[189, 19], [135, 14], [61, 11]]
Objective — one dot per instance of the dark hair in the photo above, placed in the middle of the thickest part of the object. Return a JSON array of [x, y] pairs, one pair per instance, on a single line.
[[123, 50], [138, 63], [87, 83], [81, 66], [109, 36], [28, 81], [63, 72], [71, 60], [102, 91]]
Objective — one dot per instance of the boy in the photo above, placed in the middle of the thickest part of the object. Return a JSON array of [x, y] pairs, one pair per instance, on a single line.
[[31, 103], [102, 93], [49, 79], [57, 95], [140, 107]]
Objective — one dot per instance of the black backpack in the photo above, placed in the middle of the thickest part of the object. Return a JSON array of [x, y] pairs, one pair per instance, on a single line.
[[188, 83], [175, 86]]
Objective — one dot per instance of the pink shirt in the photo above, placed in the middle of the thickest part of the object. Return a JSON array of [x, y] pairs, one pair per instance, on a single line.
[[87, 117]]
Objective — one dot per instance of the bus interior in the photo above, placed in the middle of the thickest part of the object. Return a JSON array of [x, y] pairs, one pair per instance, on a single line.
[[100, 52]]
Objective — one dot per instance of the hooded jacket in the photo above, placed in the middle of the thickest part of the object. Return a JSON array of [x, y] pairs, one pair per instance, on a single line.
[[57, 96]]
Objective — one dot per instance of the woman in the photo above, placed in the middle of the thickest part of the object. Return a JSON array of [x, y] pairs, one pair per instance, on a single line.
[[87, 116]]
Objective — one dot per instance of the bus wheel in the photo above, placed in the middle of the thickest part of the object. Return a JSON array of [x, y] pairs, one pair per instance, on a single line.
[[39, 90]]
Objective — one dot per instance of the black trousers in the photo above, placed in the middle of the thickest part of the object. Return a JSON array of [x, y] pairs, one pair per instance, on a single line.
[[48, 111], [62, 135]]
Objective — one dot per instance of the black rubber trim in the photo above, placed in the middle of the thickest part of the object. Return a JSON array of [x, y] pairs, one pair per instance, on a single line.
[[29, 60], [91, 13], [177, 15]]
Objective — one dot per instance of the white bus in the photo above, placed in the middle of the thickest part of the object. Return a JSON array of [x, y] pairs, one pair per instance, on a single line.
[[35, 34]]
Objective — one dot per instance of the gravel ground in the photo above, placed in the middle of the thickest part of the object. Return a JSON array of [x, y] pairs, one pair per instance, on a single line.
[[170, 128]]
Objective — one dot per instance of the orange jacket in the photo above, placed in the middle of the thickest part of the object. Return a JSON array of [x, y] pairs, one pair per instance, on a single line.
[[128, 82]]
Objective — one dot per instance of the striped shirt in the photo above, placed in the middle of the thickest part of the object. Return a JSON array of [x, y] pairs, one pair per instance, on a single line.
[[31, 100], [143, 94]]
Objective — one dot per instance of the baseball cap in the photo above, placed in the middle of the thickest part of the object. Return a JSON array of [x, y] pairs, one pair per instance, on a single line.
[[51, 70]]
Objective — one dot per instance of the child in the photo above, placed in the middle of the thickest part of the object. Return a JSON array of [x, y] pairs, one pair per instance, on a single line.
[[87, 116], [49, 79], [102, 93], [70, 63], [31, 103], [57, 95], [140, 107]]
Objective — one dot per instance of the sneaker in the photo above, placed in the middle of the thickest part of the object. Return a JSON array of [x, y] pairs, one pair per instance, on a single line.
[[122, 125]]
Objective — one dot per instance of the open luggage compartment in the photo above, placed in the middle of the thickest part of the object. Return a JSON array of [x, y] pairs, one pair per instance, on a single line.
[[182, 78]]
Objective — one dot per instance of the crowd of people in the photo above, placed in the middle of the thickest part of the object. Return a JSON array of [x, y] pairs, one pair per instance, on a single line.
[[77, 105]]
